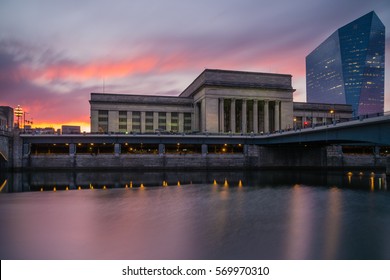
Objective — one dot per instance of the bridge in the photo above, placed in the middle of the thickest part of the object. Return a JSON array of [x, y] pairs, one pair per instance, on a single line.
[[322, 146], [372, 131]]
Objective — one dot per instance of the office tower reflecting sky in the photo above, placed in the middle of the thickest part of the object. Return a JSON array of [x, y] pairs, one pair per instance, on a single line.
[[348, 67]]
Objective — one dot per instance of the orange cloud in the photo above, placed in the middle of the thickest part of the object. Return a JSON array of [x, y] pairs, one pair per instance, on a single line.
[[98, 69]]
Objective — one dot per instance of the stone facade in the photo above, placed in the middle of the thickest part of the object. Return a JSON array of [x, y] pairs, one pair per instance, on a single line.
[[315, 114], [217, 101]]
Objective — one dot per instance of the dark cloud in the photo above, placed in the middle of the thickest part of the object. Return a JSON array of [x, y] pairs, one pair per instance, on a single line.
[[52, 54]]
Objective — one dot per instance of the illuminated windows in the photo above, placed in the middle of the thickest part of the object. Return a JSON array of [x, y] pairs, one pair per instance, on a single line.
[[348, 67]]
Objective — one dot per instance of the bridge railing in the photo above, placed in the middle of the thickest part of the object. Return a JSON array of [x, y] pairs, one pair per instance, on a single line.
[[206, 133]]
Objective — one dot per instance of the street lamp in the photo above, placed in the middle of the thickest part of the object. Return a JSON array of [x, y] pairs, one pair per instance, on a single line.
[[18, 113], [333, 115]]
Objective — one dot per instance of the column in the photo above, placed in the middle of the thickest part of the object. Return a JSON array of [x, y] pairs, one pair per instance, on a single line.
[[203, 115], [255, 116], [117, 149], [233, 116], [26, 149], [277, 119], [143, 121], [155, 121], [129, 121], [181, 122], [266, 117], [161, 149], [72, 149], [113, 121], [204, 149], [94, 121], [244, 120], [221, 115], [196, 118]]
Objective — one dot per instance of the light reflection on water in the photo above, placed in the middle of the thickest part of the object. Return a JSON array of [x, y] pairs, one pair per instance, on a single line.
[[274, 215]]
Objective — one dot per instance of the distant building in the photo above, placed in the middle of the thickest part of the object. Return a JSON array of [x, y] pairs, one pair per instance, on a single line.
[[70, 129], [315, 114], [349, 66], [6, 118], [47, 130], [217, 101]]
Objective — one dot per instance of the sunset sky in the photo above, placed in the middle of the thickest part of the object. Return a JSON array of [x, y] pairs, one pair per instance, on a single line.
[[53, 54]]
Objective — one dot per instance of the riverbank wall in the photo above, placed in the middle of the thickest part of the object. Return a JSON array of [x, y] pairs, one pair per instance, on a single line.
[[20, 156], [254, 157]]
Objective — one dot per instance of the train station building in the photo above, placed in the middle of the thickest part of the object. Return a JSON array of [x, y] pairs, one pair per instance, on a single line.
[[217, 101]]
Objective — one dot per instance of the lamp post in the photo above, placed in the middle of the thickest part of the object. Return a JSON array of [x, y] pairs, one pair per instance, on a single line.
[[333, 116], [18, 113]]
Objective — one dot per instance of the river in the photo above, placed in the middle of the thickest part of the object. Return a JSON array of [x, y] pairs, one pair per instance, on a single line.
[[270, 214]]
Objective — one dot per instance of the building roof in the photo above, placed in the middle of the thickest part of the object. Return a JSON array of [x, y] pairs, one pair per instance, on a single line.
[[238, 79], [138, 99]]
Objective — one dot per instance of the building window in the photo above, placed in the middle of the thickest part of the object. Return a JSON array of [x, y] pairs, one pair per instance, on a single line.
[[136, 120], [187, 122], [162, 121], [103, 121], [122, 121], [174, 122], [148, 121]]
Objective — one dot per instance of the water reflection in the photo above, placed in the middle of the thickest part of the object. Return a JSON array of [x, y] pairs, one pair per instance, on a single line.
[[47, 181], [197, 215]]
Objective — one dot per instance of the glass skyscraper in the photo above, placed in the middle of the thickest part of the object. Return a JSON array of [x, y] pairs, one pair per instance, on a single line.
[[349, 67]]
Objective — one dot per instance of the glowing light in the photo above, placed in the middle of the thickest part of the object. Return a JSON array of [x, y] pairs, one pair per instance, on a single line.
[[178, 183], [126, 186], [79, 188], [349, 174], [240, 183], [226, 184], [215, 182], [2, 185], [41, 189], [67, 188], [54, 189], [104, 187], [142, 186], [372, 183], [131, 184]]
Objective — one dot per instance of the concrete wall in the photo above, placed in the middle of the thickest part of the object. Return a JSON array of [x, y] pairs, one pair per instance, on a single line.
[[286, 156], [101, 161], [5, 142], [253, 157]]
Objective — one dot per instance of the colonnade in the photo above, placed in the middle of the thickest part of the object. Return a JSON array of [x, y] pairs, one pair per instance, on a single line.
[[252, 116]]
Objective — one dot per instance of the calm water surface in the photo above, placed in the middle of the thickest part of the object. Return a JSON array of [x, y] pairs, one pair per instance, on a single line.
[[273, 215]]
